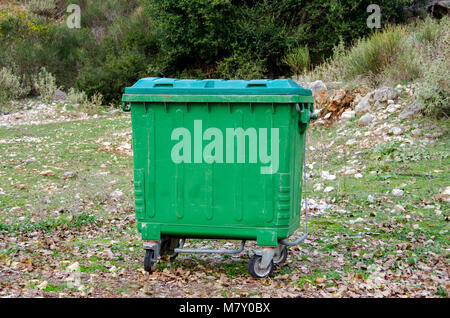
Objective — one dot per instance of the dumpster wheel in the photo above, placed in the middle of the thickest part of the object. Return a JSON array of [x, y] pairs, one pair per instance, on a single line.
[[148, 260], [282, 257], [255, 270]]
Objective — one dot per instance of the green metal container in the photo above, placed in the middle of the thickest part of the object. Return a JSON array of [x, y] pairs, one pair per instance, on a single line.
[[196, 172]]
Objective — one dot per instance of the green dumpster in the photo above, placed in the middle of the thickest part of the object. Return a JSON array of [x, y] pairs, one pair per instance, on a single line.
[[218, 159]]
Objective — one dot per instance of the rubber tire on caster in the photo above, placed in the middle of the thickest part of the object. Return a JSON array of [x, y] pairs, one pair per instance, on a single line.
[[255, 271], [148, 262], [282, 258]]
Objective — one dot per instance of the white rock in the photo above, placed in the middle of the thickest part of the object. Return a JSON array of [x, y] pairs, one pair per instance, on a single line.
[[412, 110], [356, 221], [396, 131], [316, 86], [350, 171], [364, 105], [399, 208], [391, 108], [370, 198], [42, 285], [15, 209], [365, 119], [358, 176], [348, 114], [397, 192], [385, 93], [75, 267], [117, 194], [390, 101], [351, 142], [328, 189], [327, 176], [318, 187]]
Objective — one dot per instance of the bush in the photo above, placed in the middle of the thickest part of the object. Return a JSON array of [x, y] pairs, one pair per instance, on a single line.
[[111, 77], [433, 90], [45, 85], [241, 66], [10, 86], [76, 97], [298, 59], [42, 7], [396, 54]]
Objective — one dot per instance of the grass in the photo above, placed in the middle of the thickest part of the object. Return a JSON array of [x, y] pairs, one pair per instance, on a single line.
[[62, 221]]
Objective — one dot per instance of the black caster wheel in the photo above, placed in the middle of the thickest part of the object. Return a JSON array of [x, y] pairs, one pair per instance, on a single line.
[[255, 270], [148, 260], [282, 257]]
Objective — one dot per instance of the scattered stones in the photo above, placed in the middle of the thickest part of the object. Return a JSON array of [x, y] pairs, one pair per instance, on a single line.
[[416, 132], [115, 112], [328, 189], [364, 105], [316, 86], [15, 209], [396, 131], [327, 176], [116, 194], [69, 175], [47, 173], [60, 96], [348, 114], [42, 285], [397, 192], [350, 171], [318, 187], [358, 220], [412, 110], [384, 94], [75, 267], [351, 142], [365, 120], [444, 196]]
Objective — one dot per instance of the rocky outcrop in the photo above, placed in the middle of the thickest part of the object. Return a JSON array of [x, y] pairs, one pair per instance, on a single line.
[[412, 110]]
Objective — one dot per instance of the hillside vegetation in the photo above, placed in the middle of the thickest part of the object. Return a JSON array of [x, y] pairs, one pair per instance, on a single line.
[[418, 52], [121, 41]]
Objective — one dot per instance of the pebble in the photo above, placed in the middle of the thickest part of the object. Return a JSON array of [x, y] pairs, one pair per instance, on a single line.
[[397, 192], [328, 189]]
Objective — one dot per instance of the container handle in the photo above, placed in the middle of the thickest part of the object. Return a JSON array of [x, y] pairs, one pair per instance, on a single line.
[[126, 107]]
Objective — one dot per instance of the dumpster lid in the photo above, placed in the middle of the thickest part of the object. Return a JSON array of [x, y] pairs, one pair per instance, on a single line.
[[172, 86]]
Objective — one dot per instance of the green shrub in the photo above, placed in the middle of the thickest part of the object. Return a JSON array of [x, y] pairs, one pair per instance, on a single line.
[[298, 59], [241, 66], [76, 97], [371, 56], [42, 7], [10, 86], [45, 85], [113, 75], [433, 90], [417, 52]]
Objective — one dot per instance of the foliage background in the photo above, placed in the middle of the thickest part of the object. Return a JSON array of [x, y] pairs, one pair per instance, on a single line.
[[121, 41]]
